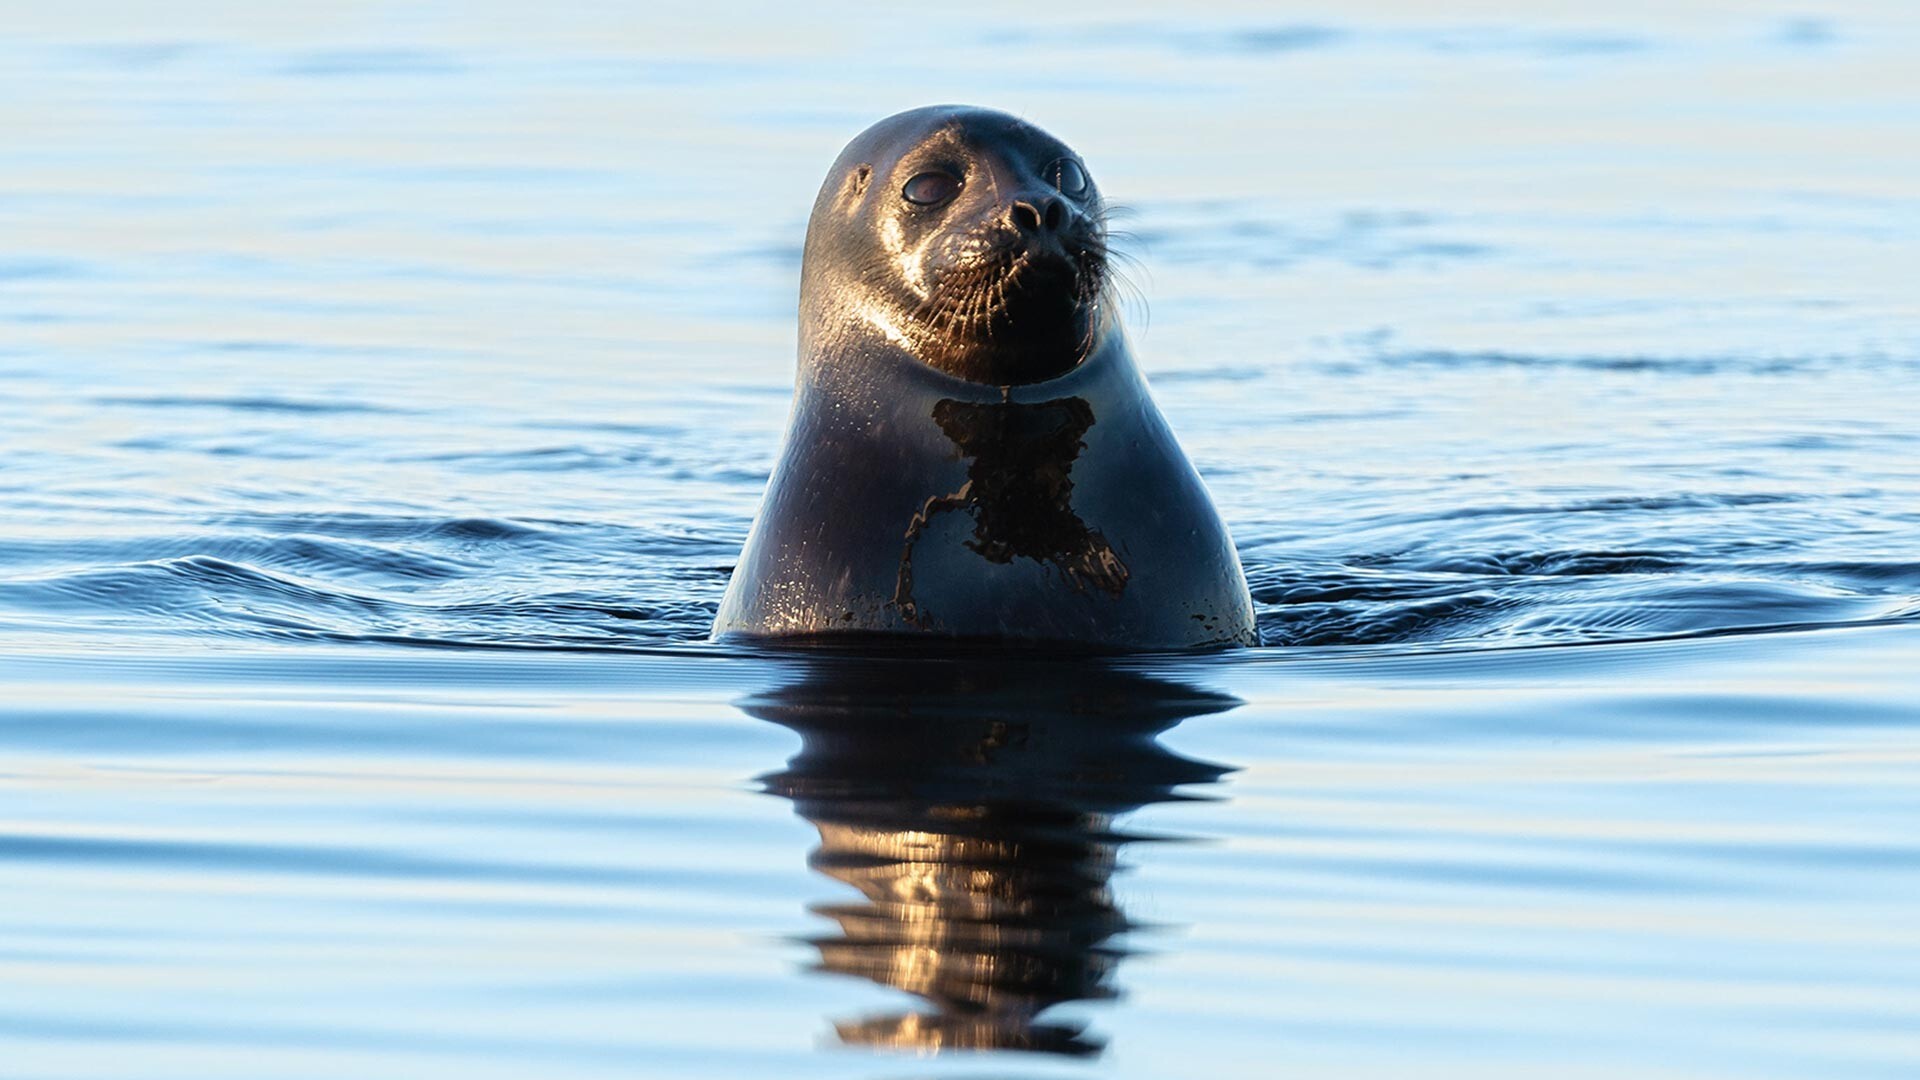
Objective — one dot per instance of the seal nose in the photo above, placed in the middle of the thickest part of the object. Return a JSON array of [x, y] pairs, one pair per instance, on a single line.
[[1040, 216]]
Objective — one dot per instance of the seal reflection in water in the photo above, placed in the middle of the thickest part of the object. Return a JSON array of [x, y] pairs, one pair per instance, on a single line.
[[971, 804], [973, 453]]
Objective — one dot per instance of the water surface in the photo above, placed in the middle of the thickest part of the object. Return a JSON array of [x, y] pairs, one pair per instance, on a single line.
[[386, 391]]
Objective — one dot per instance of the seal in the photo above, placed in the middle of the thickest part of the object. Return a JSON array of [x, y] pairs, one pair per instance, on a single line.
[[973, 455]]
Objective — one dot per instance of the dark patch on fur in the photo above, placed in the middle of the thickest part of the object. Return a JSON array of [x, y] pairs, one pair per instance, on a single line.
[[1019, 493]]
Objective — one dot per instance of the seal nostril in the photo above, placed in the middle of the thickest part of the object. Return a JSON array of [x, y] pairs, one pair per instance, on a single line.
[[1025, 217], [1056, 215]]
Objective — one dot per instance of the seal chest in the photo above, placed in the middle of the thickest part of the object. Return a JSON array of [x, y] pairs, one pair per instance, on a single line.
[[973, 454]]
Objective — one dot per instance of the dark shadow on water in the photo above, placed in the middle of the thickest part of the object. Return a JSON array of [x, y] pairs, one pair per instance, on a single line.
[[971, 803]]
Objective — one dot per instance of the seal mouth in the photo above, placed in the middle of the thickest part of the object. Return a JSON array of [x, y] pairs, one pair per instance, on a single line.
[[1014, 309]]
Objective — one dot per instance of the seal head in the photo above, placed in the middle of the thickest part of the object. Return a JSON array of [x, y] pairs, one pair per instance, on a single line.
[[970, 238], [972, 453]]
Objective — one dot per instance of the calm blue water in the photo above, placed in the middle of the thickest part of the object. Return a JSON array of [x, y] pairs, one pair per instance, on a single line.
[[386, 390]]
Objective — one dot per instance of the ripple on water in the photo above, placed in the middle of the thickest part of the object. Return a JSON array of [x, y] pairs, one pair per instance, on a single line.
[[371, 577], [1509, 598], [487, 581], [247, 404], [385, 526]]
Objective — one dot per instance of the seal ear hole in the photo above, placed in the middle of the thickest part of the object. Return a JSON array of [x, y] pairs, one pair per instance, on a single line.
[[857, 183]]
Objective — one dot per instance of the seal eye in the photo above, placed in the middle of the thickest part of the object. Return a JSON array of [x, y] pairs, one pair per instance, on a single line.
[[930, 188], [1069, 177]]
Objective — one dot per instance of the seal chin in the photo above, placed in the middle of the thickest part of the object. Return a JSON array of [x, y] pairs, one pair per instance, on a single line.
[[1023, 315]]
